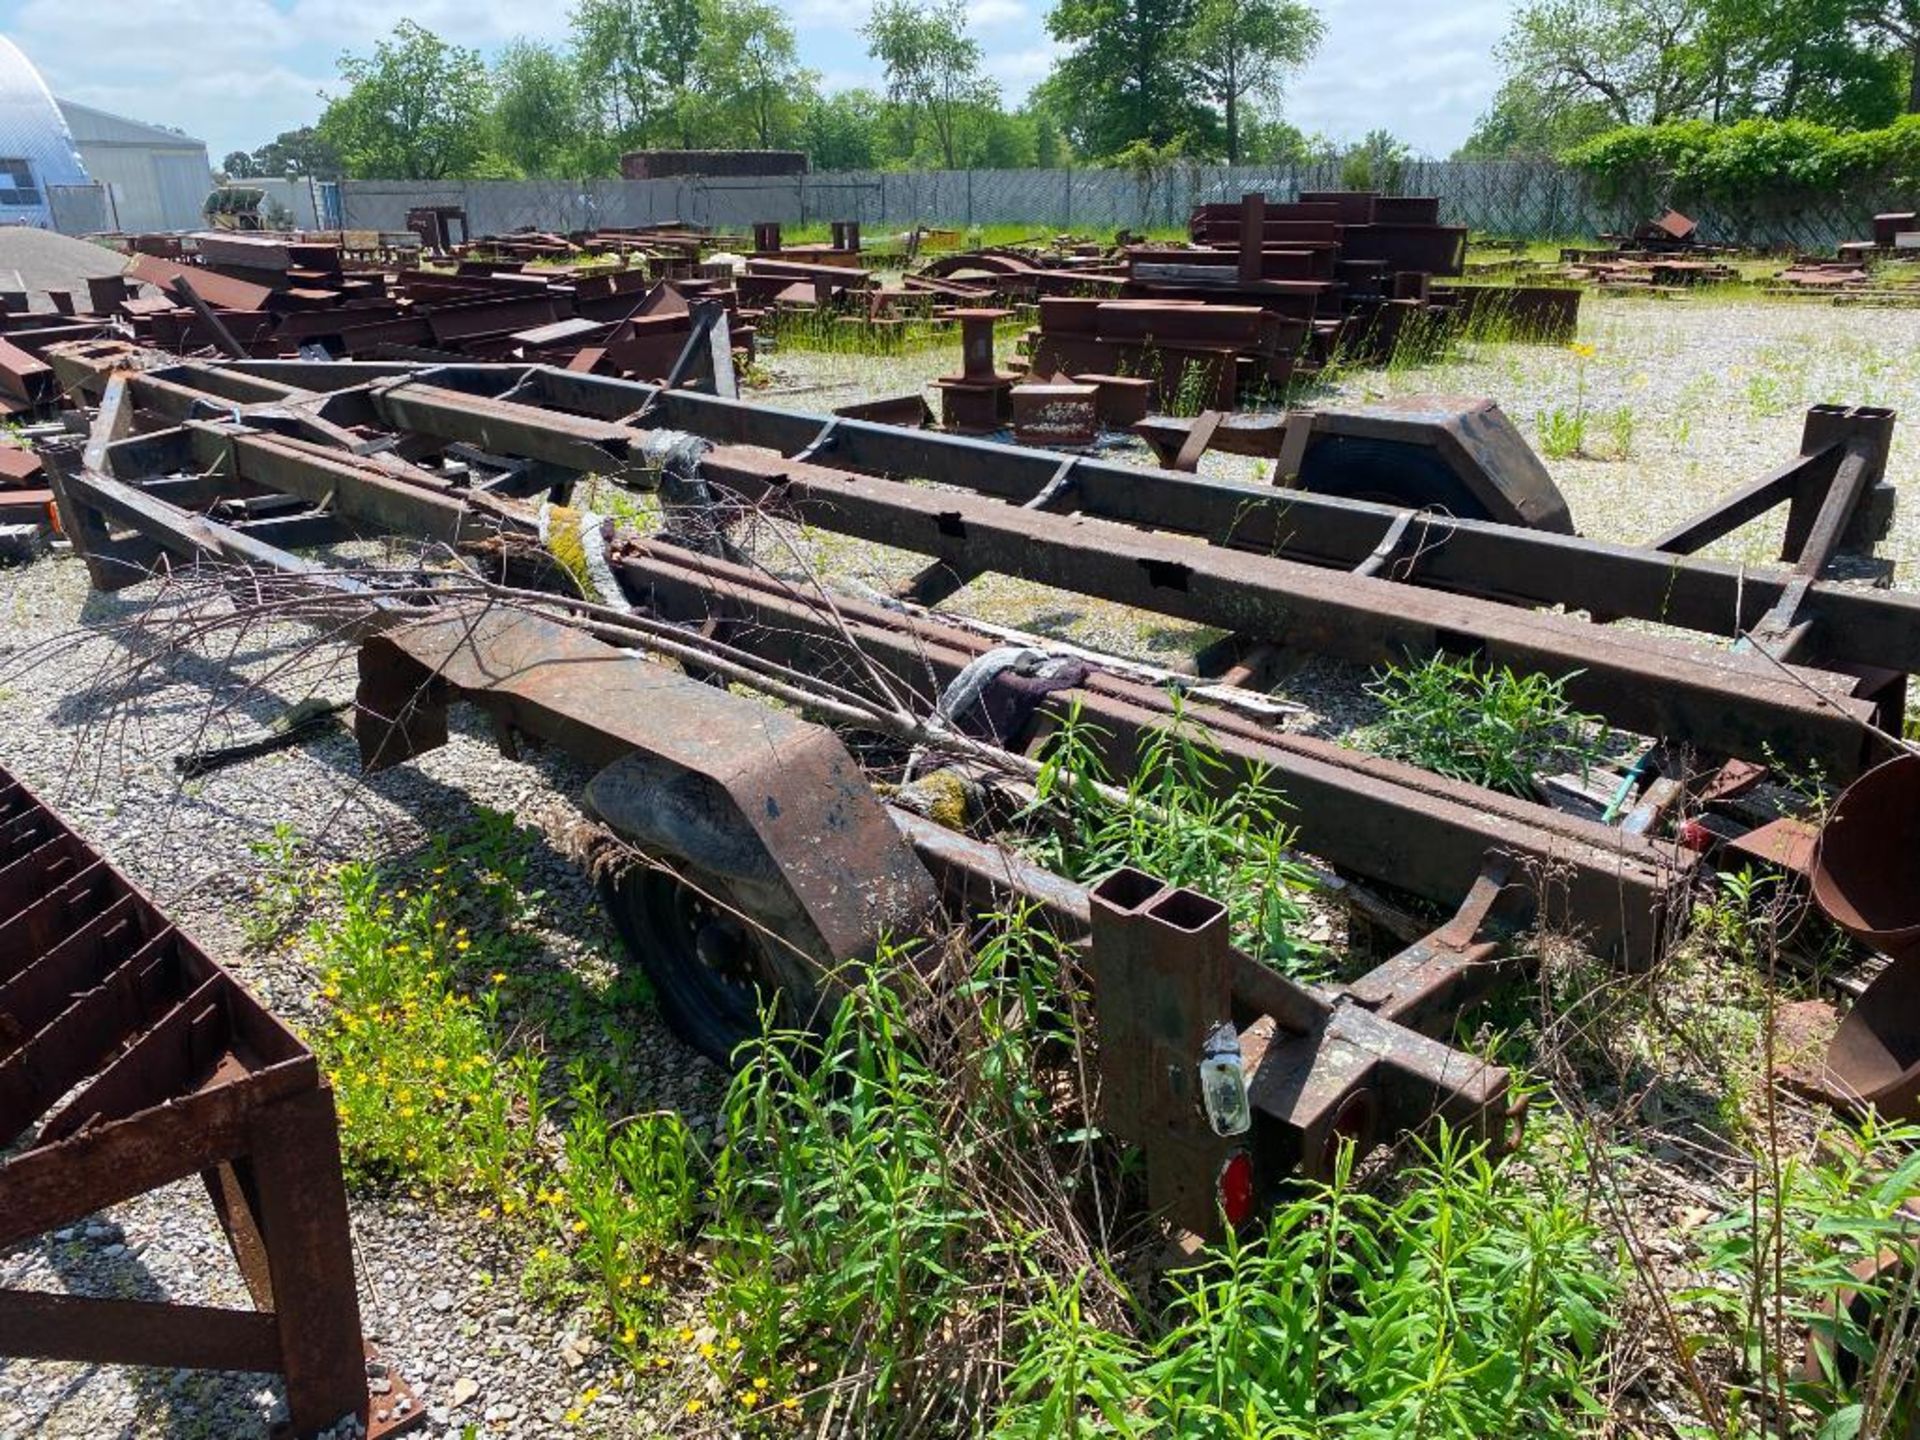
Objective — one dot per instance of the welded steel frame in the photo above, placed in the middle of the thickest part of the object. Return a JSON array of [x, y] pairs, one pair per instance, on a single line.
[[1661, 582], [1376, 817], [1361, 1062], [1740, 703], [1694, 690], [129, 1060]]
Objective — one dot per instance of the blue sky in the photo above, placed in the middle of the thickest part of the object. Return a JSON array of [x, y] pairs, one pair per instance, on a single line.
[[236, 72]]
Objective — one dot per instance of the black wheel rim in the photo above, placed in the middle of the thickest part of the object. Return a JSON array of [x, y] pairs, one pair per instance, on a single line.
[[704, 962]]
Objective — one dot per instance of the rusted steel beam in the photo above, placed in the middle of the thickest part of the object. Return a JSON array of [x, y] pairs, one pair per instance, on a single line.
[[1848, 624], [758, 801], [136, 1061], [136, 1332], [1376, 817], [1723, 703], [1717, 700]]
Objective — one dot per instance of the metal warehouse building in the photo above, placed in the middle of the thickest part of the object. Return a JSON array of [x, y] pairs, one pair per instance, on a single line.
[[70, 167], [39, 167], [155, 178]]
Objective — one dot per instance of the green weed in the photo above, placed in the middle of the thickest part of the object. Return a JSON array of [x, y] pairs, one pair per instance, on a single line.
[[1197, 382], [1470, 1302], [1781, 1264], [1493, 727], [283, 894], [414, 975], [1185, 817], [1563, 433], [876, 1199]]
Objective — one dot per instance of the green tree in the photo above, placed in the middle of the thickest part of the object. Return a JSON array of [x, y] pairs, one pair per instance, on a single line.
[[842, 132], [1577, 67], [1526, 119], [238, 165], [751, 84], [1124, 78], [1639, 58], [1899, 22], [636, 62], [415, 109], [933, 70], [537, 120], [1275, 142], [1240, 49], [1378, 162], [303, 151]]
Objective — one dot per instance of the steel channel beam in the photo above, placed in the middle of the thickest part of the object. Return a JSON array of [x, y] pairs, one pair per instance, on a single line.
[[1849, 625], [1725, 703], [1717, 700], [1394, 823]]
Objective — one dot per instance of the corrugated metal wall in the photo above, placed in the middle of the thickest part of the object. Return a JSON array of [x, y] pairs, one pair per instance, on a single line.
[[159, 179]]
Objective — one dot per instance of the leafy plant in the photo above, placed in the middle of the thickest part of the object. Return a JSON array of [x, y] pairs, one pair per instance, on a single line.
[[876, 1178], [1470, 1302], [1563, 433], [283, 893], [1781, 1268], [1750, 168], [1185, 817], [1492, 727]]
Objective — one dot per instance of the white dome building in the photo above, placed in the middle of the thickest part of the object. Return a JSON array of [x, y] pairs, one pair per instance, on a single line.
[[36, 148]]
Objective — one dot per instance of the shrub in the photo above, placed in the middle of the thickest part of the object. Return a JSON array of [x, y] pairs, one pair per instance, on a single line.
[[1750, 166], [1492, 727], [1470, 1302]]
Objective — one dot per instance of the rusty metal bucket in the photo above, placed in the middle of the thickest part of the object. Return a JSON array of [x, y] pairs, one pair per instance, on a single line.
[[1866, 877]]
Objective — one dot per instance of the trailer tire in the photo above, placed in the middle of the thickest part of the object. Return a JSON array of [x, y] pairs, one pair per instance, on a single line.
[[714, 959]]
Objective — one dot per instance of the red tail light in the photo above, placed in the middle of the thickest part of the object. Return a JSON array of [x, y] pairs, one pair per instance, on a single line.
[[1236, 1188]]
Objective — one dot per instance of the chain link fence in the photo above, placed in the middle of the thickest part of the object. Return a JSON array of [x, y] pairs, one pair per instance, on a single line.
[[1539, 200]]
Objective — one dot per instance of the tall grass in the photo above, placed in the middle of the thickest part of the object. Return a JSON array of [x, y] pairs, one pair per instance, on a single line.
[[893, 1192], [1183, 816], [1492, 727], [1469, 1302]]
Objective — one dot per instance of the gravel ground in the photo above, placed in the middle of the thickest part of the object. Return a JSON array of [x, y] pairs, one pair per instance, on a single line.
[[1714, 391], [439, 1297]]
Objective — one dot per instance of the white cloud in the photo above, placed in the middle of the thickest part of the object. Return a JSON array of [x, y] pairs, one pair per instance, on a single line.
[[1401, 65], [995, 14], [1018, 71], [237, 72]]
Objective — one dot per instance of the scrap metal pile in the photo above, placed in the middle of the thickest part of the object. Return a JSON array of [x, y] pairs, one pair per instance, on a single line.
[[746, 854], [282, 295], [1266, 291], [1860, 272], [1662, 256]]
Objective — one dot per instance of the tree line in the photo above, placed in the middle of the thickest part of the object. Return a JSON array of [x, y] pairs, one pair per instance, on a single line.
[[1574, 70], [1141, 82]]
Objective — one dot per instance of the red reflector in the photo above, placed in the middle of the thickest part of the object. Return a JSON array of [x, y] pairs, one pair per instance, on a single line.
[[1236, 1188]]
